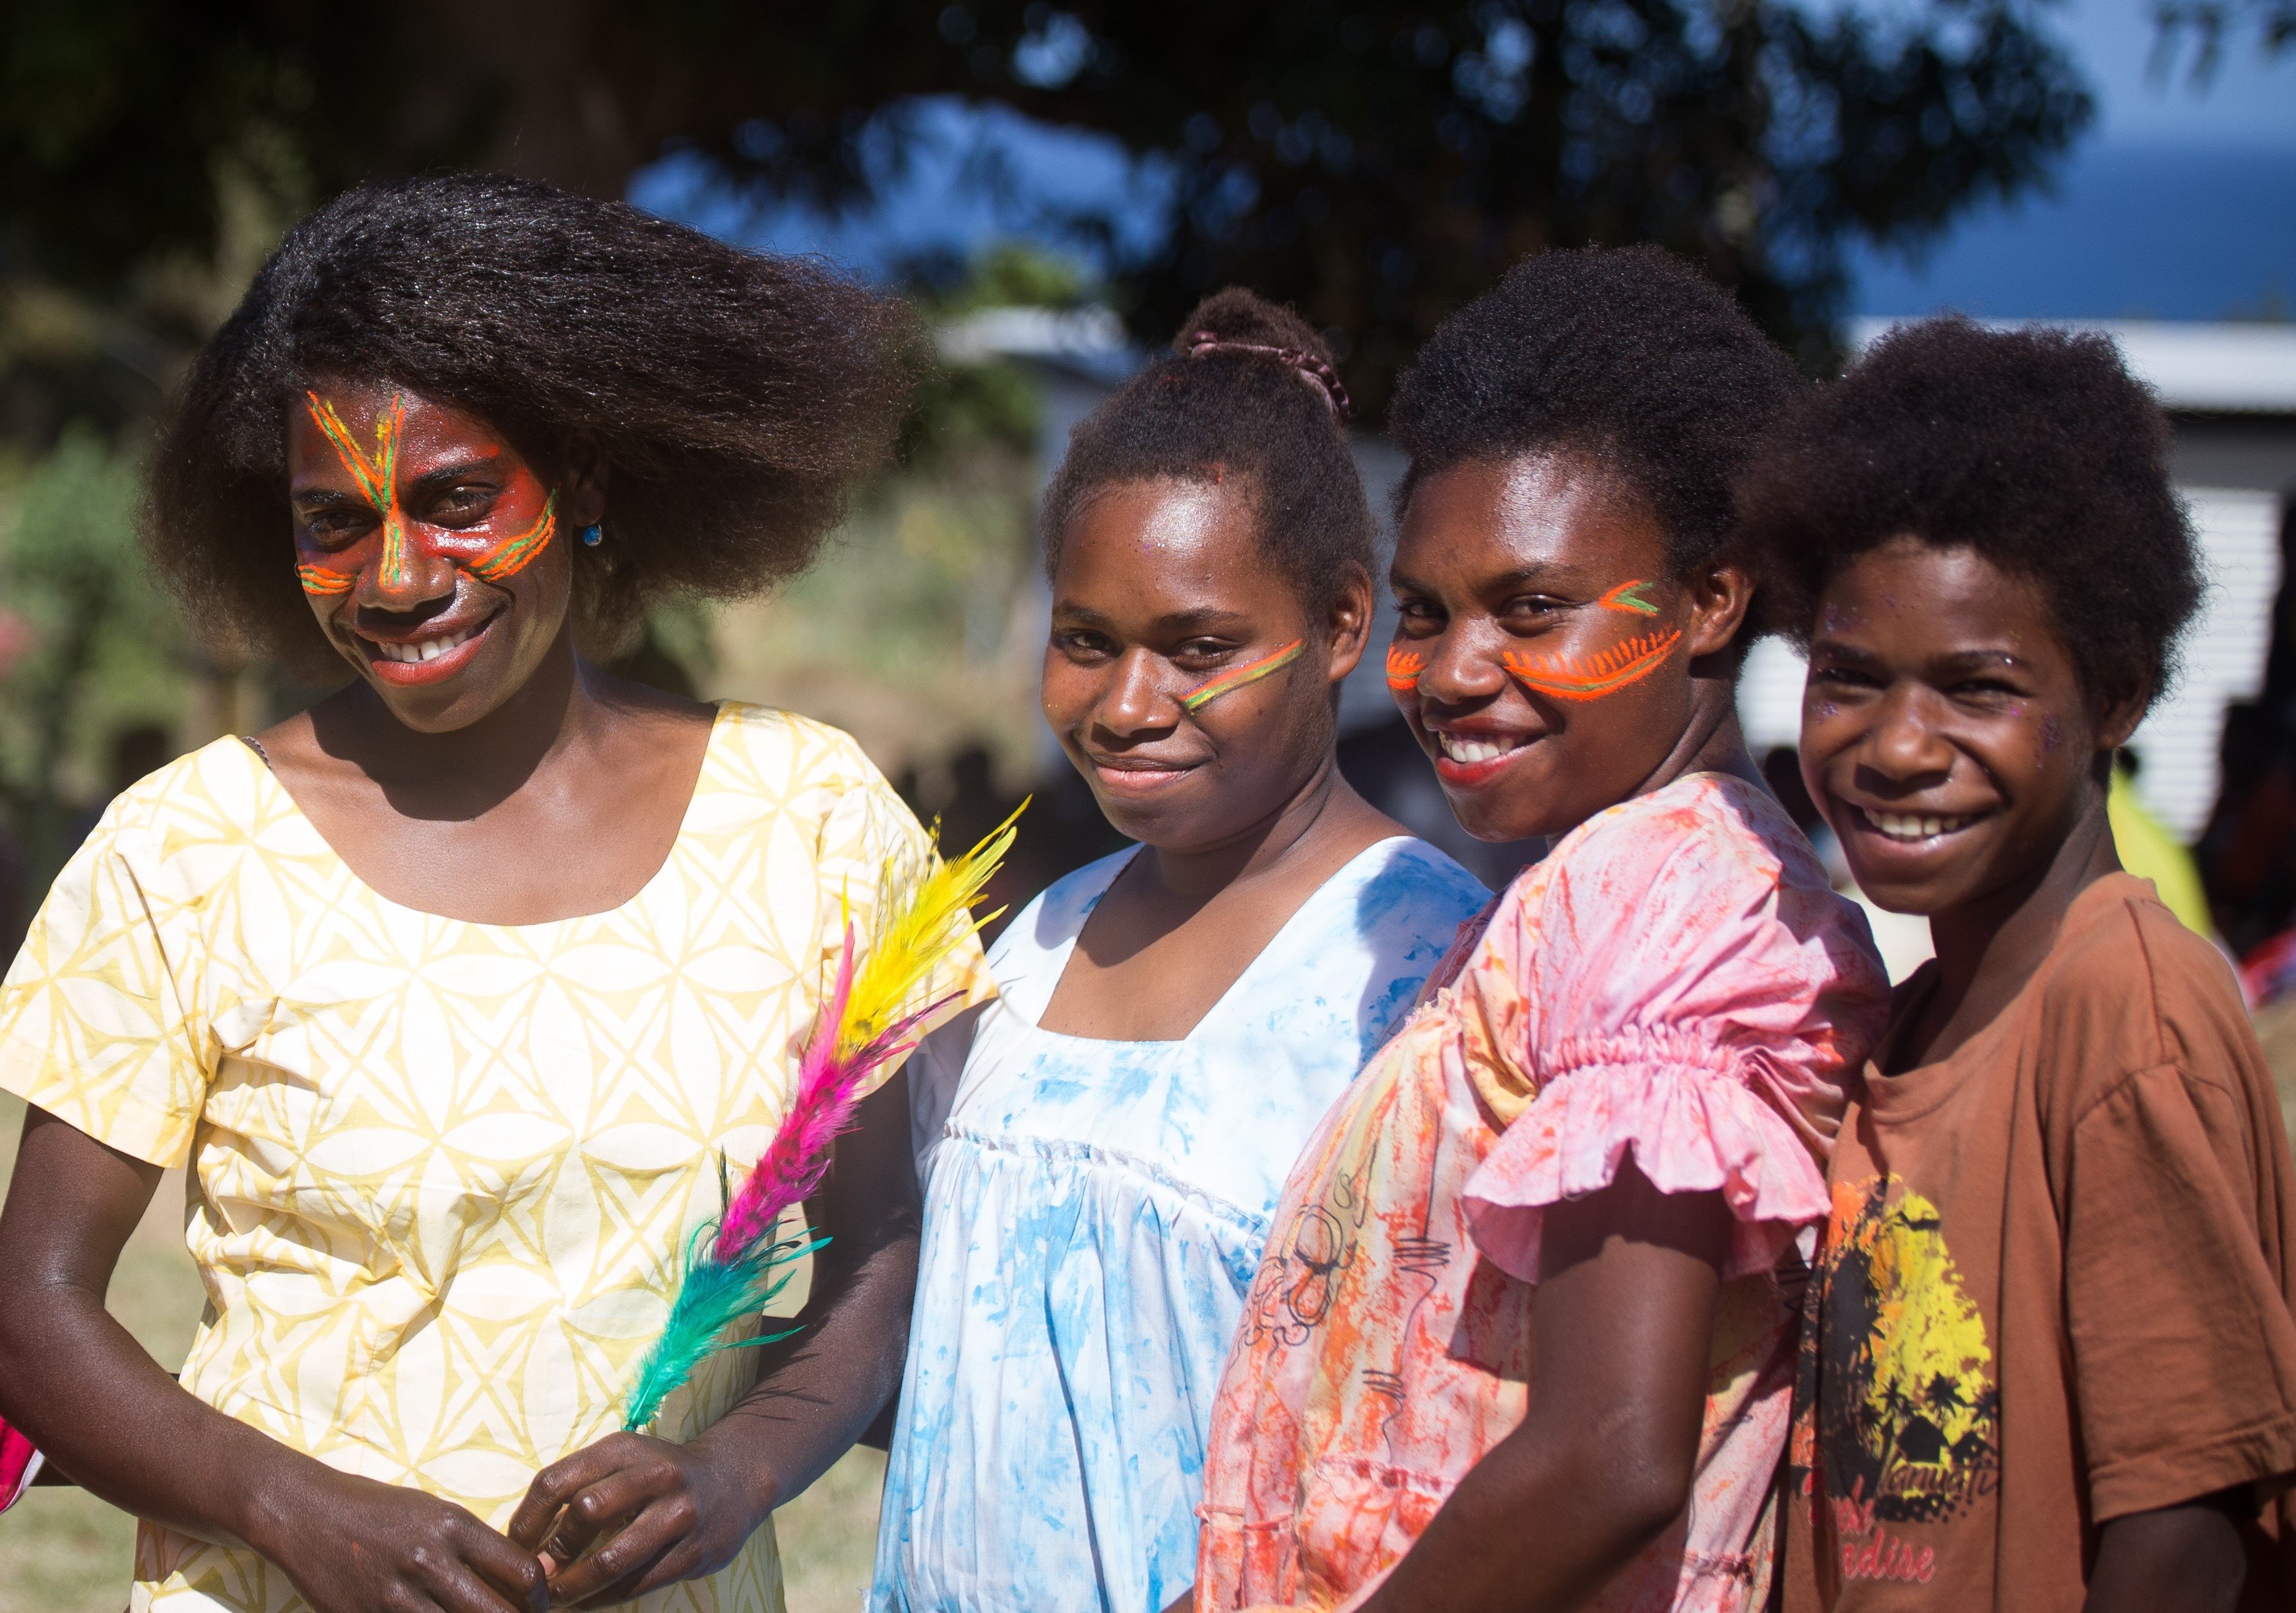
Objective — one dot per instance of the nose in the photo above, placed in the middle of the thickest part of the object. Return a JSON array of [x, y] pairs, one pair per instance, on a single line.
[[1136, 700], [406, 573], [1905, 744], [1460, 670]]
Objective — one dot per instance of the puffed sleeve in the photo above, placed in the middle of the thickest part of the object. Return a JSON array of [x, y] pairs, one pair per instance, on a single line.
[[97, 1021], [1685, 986]]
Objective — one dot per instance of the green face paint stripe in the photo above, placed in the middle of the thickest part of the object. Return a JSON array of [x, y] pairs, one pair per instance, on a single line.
[[512, 554], [322, 579], [377, 479], [1236, 677], [1628, 596]]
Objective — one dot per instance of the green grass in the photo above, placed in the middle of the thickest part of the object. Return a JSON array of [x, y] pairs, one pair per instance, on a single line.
[[62, 1551]]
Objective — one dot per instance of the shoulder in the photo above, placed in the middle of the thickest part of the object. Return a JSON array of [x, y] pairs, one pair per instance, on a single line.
[[2128, 987], [1698, 905], [1710, 855], [782, 752], [1408, 884], [1056, 915], [220, 795]]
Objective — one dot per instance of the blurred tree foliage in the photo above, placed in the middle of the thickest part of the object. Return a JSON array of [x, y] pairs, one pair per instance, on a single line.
[[90, 650], [1374, 163]]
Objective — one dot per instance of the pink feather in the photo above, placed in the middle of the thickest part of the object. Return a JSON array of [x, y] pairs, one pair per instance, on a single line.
[[828, 1090]]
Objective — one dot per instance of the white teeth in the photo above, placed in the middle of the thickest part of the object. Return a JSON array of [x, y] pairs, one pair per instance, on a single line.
[[1458, 749], [427, 649], [1909, 826]]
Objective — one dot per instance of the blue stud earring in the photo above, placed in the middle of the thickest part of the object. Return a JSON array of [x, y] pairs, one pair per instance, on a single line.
[[592, 536]]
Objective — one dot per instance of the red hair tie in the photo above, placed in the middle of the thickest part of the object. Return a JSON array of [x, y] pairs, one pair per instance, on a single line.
[[1307, 363]]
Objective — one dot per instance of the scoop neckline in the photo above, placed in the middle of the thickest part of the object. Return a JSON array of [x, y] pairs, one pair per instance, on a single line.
[[717, 722], [1123, 860]]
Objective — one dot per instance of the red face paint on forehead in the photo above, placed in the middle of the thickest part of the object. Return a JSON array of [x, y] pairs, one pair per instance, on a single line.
[[485, 549]]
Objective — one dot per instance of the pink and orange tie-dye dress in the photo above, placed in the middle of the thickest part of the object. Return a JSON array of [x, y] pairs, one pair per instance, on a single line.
[[1676, 978]]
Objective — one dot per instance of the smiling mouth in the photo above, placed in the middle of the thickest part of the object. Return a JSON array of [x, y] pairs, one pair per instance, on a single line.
[[428, 649], [1457, 747], [1912, 828]]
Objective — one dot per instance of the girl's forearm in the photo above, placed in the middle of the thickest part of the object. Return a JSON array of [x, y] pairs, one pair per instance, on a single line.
[[820, 1395], [77, 1382]]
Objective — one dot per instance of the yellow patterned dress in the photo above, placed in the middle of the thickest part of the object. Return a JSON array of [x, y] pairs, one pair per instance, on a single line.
[[441, 1172]]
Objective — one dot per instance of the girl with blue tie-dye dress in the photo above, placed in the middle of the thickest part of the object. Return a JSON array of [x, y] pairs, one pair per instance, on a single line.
[[1102, 1147]]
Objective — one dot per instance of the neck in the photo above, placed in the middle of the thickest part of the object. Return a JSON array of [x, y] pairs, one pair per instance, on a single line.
[[1987, 949], [1197, 873], [462, 772], [1711, 742]]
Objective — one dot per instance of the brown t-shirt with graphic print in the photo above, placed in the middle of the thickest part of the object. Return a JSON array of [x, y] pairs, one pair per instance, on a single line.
[[2055, 1288]]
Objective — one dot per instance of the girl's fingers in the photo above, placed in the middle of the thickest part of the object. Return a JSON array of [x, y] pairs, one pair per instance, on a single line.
[[555, 1486], [455, 1588], [611, 1504], [606, 1574], [503, 1570]]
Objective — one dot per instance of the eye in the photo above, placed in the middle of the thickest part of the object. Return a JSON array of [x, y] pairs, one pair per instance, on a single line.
[[1832, 674], [465, 504], [1082, 643], [337, 524], [1200, 652], [1531, 612], [1419, 618]]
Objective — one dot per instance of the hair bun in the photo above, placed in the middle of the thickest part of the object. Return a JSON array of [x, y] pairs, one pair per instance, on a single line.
[[1239, 321]]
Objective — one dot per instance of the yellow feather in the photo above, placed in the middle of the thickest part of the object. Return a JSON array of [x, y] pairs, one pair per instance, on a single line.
[[918, 934]]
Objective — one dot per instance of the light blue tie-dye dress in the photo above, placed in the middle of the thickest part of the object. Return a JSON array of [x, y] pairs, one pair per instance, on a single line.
[[1093, 1214]]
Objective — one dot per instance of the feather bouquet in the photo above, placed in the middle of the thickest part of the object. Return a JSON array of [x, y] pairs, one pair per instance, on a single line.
[[734, 1264]]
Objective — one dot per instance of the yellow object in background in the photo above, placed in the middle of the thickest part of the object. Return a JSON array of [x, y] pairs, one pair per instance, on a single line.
[[2150, 852]]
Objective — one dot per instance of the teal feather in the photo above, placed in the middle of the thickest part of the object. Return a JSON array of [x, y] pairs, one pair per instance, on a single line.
[[711, 1297]]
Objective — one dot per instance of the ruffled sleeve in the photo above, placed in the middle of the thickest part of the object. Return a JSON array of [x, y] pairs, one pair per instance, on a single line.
[[1680, 984]]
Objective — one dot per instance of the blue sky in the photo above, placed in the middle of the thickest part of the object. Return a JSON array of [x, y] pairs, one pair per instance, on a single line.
[[2179, 203]]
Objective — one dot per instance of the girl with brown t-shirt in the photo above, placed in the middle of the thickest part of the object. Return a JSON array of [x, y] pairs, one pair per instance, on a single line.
[[2049, 1360]]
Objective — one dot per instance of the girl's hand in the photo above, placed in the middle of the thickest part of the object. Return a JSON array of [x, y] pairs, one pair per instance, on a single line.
[[353, 1545], [626, 1515]]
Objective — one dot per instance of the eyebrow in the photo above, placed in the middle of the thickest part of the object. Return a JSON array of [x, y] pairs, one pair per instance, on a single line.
[[1179, 620], [1954, 661], [1506, 582]]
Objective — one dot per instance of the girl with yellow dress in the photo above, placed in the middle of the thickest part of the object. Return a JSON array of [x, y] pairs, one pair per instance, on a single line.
[[453, 994]]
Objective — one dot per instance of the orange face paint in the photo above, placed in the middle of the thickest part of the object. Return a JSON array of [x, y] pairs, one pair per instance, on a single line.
[[1585, 678], [376, 475], [377, 479], [1404, 667], [1627, 597], [1235, 677]]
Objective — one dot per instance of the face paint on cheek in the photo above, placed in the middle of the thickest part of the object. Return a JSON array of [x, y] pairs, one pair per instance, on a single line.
[[1628, 596], [378, 484], [2052, 734], [1235, 677], [1589, 677], [1404, 667], [511, 555]]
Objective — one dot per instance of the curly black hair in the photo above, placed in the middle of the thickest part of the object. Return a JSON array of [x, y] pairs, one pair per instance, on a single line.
[[1627, 356], [735, 397], [2035, 448], [1248, 391]]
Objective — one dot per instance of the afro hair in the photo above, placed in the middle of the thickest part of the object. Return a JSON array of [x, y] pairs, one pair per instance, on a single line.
[[1625, 355], [1248, 391], [734, 397], [2035, 448]]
